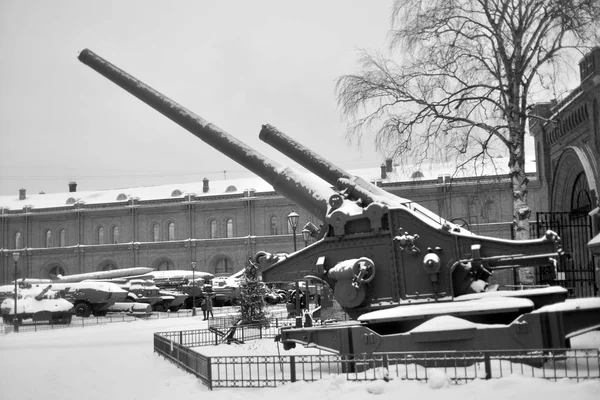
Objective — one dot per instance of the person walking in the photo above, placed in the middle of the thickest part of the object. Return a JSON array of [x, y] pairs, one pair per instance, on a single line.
[[208, 301]]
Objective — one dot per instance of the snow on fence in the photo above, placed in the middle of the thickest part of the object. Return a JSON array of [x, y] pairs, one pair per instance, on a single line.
[[181, 348]]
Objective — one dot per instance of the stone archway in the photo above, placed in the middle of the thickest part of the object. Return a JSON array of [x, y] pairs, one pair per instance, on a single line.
[[573, 168], [571, 201]]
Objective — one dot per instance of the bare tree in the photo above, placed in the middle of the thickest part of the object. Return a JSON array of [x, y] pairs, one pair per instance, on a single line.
[[463, 74]]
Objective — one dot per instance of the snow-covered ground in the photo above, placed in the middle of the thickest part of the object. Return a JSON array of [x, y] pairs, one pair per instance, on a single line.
[[117, 361]]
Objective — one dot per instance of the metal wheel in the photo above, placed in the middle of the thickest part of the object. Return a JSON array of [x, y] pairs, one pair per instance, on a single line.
[[83, 310]]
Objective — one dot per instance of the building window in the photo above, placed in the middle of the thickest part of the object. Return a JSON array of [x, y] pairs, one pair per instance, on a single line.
[[155, 233], [223, 266], [109, 266], [229, 228], [55, 272], [101, 235], [18, 240], [171, 227], [116, 234], [213, 229], [48, 242], [165, 266], [62, 238], [273, 225]]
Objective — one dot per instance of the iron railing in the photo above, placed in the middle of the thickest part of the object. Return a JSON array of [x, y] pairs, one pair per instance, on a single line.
[[575, 271], [222, 315], [271, 370], [79, 322]]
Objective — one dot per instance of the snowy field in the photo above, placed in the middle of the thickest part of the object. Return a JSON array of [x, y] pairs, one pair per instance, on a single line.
[[117, 361]]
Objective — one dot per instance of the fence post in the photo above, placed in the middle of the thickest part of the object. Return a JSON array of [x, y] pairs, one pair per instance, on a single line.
[[180, 337], [488, 365], [209, 372], [385, 362], [293, 368]]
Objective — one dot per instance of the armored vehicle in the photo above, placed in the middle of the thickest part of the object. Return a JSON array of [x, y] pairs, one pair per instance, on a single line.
[[37, 303]]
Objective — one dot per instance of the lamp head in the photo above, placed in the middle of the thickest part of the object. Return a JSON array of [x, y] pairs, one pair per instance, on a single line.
[[305, 234], [16, 256], [293, 218]]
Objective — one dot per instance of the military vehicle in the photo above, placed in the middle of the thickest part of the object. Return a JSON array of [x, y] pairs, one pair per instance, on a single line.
[[409, 279], [88, 298], [38, 304]]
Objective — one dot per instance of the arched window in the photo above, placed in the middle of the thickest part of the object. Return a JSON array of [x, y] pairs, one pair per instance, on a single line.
[[155, 233], [109, 266], [581, 202], [62, 238], [171, 227], [48, 242], [55, 271], [101, 235], [229, 224], [213, 229], [116, 233], [18, 240], [223, 266], [273, 225], [165, 265]]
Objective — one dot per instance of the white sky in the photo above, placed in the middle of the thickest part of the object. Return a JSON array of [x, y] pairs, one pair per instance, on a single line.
[[238, 64], [116, 361]]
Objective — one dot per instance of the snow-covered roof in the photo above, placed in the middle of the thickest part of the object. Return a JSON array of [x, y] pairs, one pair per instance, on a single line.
[[399, 174], [148, 193]]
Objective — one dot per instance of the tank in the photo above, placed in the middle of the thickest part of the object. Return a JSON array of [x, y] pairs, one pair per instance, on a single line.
[[37, 304], [389, 263]]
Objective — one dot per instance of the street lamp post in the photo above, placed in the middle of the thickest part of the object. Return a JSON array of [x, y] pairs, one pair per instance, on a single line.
[[16, 256], [293, 221], [193, 263], [305, 236]]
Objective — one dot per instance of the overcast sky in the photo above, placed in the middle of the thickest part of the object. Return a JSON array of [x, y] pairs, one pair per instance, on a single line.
[[238, 64]]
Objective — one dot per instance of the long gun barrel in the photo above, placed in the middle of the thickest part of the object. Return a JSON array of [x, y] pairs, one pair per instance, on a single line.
[[312, 195], [334, 175]]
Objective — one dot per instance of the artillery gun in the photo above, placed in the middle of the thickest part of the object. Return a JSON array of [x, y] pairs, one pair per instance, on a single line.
[[409, 279]]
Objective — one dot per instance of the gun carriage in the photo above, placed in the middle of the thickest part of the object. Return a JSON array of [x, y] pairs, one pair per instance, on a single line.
[[408, 279]]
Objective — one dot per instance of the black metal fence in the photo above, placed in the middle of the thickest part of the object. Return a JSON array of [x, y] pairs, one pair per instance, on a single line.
[[79, 322], [274, 370], [223, 317], [575, 271]]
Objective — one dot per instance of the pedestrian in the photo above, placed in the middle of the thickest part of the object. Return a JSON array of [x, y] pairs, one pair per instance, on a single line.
[[203, 306], [208, 296]]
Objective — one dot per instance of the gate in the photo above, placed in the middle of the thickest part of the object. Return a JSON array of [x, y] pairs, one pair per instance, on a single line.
[[575, 270]]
